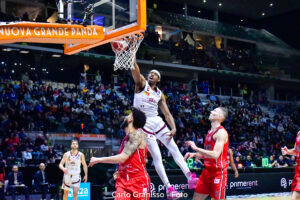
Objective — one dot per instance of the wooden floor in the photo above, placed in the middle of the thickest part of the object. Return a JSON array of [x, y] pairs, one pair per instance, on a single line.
[[267, 198]]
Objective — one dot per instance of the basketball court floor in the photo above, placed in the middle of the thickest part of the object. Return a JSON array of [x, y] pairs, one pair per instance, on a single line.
[[273, 196]]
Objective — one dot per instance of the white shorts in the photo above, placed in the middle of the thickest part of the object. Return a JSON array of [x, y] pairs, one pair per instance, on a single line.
[[155, 127], [71, 180]]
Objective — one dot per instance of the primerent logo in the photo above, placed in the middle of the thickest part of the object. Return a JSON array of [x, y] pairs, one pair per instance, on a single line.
[[243, 184]]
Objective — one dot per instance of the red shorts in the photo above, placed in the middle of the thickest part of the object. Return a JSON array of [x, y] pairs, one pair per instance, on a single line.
[[212, 183], [133, 189], [296, 180]]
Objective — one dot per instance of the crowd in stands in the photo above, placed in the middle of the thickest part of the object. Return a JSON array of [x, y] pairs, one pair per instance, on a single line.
[[28, 105], [25, 17], [233, 58]]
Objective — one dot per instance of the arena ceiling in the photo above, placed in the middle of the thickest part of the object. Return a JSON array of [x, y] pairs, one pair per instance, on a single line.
[[252, 9]]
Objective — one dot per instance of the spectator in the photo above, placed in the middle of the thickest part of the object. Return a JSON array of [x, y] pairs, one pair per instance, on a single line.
[[238, 162], [197, 164], [98, 77], [249, 163], [281, 162], [27, 154], [51, 154], [16, 182], [98, 96], [41, 183], [292, 162], [22, 134], [271, 161]]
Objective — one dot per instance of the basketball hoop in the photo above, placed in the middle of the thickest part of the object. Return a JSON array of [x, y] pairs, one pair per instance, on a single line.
[[125, 50]]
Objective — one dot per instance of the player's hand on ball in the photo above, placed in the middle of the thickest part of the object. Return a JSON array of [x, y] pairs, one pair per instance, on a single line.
[[284, 151], [85, 179], [92, 161], [191, 144], [65, 170]]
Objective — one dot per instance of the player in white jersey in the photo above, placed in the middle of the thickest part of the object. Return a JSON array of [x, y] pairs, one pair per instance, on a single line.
[[148, 98], [72, 161]]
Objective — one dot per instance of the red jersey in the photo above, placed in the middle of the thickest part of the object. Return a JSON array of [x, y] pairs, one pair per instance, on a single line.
[[135, 165], [222, 162], [298, 149]]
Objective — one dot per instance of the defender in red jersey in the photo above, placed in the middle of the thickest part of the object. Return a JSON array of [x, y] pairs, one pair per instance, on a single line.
[[132, 179], [213, 179], [296, 181]]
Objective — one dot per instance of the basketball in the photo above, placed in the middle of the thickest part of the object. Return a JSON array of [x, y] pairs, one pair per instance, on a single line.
[[119, 46]]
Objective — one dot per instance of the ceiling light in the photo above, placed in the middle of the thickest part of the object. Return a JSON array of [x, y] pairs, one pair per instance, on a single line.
[[47, 72], [23, 51], [56, 55], [61, 69], [16, 64], [7, 49], [220, 4], [199, 11], [13, 71], [271, 4], [204, 1], [242, 20], [183, 8], [2, 63], [263, 14]]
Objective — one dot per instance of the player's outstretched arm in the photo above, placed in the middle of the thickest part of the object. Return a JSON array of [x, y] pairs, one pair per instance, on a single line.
[[168, 116], [85, 168], [221, 137], [286, 151], [131, 146], [61, 164], [137, 77]]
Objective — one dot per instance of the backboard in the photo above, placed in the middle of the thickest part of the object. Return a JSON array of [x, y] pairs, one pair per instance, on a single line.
[[119, 18]]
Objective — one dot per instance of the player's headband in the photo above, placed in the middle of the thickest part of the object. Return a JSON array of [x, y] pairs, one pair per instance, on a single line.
[[156, 72]]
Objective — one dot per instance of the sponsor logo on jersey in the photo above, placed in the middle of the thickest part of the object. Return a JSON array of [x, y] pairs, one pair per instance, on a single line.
[[147, 93], [151, 100], [216, 181]]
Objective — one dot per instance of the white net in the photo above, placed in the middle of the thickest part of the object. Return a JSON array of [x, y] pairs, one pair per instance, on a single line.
[[125, 50]]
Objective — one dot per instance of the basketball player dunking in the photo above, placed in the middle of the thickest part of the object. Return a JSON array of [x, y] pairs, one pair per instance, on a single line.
[[148, 98], [132, 179], [72, 161], [296, 181], [213, 179]]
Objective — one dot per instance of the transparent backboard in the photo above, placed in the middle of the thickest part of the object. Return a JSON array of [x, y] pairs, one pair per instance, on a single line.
[[119, 18], [111, 14]]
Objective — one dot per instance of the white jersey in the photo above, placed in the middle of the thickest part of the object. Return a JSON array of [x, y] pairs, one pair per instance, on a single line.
[[147, 100], [73, 163]]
